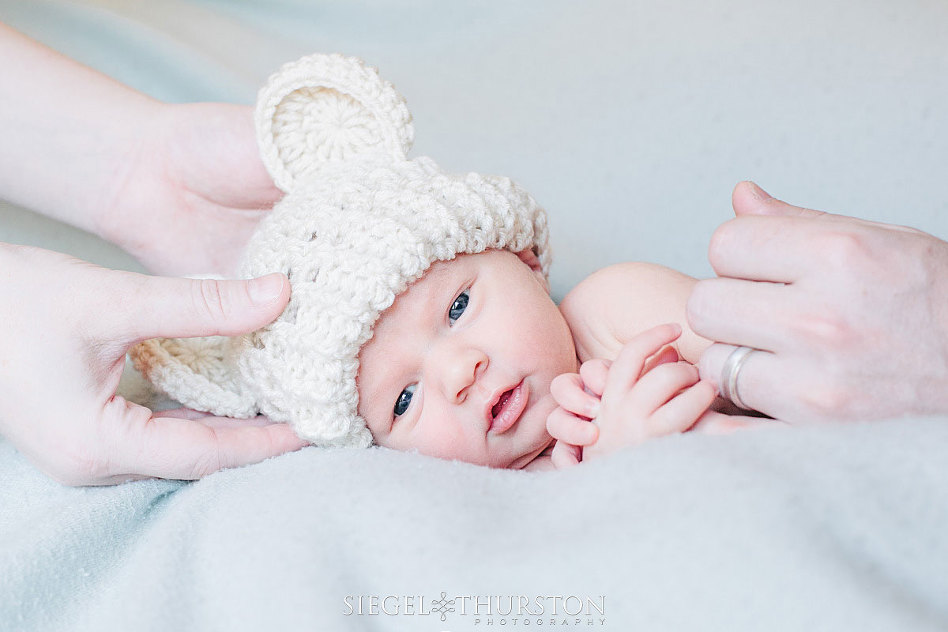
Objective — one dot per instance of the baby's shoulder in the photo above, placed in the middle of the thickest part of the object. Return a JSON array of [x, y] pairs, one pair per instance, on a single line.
[[613, 304]]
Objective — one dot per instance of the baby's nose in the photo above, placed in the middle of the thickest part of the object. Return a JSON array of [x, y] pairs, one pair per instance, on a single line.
[[461, 372]]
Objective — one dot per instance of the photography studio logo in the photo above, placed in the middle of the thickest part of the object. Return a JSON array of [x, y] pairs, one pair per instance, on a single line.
[[562, 611]]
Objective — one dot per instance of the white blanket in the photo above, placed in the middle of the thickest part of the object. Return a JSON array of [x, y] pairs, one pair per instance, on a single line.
[[834, 528], [630, 121]]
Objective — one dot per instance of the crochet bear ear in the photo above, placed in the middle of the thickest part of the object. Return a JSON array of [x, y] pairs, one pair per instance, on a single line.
[[327, 108]]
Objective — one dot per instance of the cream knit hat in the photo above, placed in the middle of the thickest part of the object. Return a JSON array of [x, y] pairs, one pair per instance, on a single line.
[[359, 222]]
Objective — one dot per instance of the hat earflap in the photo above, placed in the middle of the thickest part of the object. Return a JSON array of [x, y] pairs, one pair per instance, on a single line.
[[328, 108], [197, 372]]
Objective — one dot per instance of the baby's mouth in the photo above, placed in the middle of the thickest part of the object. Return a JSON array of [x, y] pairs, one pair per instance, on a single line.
[[507, 409], [499, 406]]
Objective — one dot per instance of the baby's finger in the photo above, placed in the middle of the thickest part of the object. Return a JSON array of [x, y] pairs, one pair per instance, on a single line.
[[666, 355], [565, 426], [684, 410], [565, 455], [567, 390], [627, 367], [594, 374], [661, 384]]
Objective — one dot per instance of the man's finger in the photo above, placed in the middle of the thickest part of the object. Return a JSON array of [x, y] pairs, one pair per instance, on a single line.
[[757, 382], [152, 307], [738, 312], [776, 249], [750, 199]]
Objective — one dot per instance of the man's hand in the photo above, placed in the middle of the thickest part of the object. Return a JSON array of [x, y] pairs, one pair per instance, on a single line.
[[851, 316], [67, 326]]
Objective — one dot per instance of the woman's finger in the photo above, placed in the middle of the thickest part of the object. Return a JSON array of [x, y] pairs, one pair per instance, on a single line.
[[171, 447], [151, 307]]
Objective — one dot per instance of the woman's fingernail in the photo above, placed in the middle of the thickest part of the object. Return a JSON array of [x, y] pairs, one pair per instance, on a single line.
[[266, 289]]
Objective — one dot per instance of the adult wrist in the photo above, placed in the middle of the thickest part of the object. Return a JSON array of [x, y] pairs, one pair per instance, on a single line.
[[140, 154]]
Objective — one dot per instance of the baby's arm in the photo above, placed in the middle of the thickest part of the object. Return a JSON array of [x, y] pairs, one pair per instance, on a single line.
[[645, 393]]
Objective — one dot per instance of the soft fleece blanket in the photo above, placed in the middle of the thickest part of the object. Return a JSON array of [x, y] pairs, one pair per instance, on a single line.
[[630, 120], [840, 527]]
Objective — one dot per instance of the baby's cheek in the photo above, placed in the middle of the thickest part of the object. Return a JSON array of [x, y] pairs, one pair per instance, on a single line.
[[437, 435]]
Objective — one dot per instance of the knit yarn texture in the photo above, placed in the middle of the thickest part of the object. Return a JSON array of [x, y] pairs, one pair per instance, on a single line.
[[358, 224]]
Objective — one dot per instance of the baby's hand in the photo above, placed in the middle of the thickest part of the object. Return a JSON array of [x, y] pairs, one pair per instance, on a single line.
[[578, 397], [640, 402]]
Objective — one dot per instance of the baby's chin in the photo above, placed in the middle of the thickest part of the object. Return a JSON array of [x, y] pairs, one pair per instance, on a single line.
[[527, 457], [492, 460]]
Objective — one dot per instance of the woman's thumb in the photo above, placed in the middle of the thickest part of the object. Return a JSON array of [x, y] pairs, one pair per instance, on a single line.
[[163, 307]]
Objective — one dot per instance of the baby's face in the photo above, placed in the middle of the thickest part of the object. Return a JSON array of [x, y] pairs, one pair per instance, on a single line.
[[459, 367]]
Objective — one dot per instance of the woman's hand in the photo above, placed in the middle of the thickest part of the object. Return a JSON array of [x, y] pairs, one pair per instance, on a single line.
[[66, 327], [180, 187], [195, 192]]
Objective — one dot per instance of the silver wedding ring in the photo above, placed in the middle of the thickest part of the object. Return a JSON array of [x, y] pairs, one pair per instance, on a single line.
[[729, 374]]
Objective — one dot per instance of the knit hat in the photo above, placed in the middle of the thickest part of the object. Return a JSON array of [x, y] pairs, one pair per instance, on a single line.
[[358, 224]]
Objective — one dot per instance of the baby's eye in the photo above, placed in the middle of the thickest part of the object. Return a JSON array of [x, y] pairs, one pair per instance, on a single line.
[[458, 306], [404, 400]]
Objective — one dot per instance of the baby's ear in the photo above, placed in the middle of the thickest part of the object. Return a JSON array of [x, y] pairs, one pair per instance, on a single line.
[[328, 108], [530, 258]]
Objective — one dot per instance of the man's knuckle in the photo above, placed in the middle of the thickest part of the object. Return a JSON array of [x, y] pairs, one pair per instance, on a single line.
[[825, 330], [826, 400], [697, 306], [845, 249], [719, 245]]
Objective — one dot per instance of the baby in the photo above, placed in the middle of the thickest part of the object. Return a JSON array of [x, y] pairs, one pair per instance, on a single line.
[[420, 316], [475, 362]]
